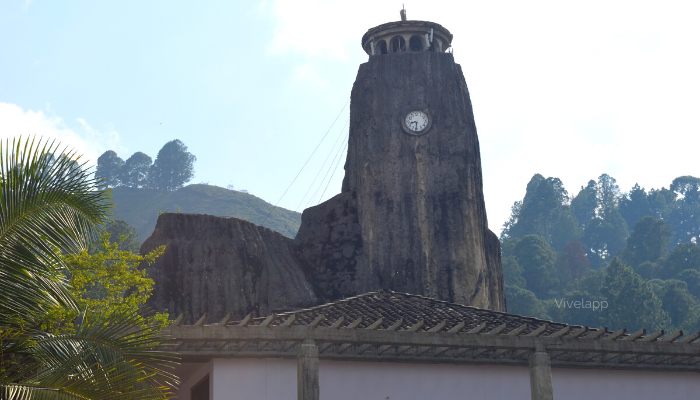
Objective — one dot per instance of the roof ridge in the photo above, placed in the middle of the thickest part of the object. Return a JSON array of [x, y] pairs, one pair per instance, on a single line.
[[420, 297], [478, 308]]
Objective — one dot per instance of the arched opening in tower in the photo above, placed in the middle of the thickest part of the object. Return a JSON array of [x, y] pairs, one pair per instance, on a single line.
[[415, 44], [398, 43], [381, 47]]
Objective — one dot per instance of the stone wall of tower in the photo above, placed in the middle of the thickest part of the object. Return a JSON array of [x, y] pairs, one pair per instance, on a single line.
[[419, 204]]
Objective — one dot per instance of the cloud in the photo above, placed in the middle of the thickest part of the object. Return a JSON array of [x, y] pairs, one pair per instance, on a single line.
[[86, 141], [565, 89]]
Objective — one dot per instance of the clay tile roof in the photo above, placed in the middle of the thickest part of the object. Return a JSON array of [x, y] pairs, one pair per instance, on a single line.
[[413, 309]]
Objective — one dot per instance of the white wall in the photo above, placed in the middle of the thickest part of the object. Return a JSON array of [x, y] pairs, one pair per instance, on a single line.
[[398, 381], [587, 384], [254, 379], [275, 379]]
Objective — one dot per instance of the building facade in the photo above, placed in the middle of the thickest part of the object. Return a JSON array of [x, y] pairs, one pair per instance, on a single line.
[[400, 346]]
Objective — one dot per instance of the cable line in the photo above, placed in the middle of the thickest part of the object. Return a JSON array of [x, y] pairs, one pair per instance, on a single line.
[[324, 177], [319, 173], [311, 199], [307, 161], [331, 178]]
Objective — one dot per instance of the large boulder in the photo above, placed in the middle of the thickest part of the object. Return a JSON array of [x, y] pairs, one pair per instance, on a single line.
[[218, 265]]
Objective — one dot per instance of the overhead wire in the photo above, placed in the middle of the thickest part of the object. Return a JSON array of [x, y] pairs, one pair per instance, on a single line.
[[337, 140], [324, 178], [307, 161], [331, 178]]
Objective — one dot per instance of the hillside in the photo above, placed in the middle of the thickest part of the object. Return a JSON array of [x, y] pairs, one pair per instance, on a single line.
[[139, 207]]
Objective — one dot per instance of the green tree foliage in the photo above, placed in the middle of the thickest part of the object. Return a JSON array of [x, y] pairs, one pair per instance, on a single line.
[[174, 166], [648, 241], [692, 279], [512, 271], [603, 240], [685, 256], [50, 207], [608, 194], [635, 205], [109, 167], [135, 171], [658, 288], [47, 207], [109, 356], [537, 258], [632, 302], [684, 215], [124, 235], [572, 263], [109, 279], [544, 212], [584, 205], [661, 201], [681, 306], [585, 289], [524, 302]]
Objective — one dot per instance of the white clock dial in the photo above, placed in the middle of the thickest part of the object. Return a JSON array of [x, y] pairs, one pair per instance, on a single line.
[[416, 121]]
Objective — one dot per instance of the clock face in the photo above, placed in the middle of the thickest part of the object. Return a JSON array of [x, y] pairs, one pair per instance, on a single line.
[[416, 121]]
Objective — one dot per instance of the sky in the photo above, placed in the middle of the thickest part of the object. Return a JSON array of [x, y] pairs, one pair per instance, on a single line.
[[255, 88]]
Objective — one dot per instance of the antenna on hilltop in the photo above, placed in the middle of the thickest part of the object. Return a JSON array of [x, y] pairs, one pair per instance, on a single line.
[[403, 12]]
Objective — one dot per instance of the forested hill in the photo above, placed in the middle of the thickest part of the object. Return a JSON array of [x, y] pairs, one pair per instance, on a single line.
[[604, 257], [139, 207]]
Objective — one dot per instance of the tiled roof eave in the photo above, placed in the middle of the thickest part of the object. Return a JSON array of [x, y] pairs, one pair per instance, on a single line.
[[482, 337]]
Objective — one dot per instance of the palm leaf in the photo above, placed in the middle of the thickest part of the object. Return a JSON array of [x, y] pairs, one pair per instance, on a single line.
[[108, 357], [48, 204]]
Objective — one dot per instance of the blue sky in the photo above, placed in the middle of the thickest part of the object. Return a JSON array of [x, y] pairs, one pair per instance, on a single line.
[[565, 89]]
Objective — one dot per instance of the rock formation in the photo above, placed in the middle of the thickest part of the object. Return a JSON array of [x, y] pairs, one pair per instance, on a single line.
[[410, 216], [218, 265], [414, 205]]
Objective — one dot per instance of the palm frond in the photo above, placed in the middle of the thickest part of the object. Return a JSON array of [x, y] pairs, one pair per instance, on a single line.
[[49, 203], [108, 356]]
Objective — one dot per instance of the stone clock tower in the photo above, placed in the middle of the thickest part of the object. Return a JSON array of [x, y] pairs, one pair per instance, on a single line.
[[411, 215]]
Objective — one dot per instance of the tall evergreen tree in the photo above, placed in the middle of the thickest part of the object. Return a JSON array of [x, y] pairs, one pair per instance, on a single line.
[[684, 215], [608, 194], [174, 166], [661, 201], [135, 171], [603, 240], [583, 206], [632, 302], [635, 205], [648, 241], [109, 167], [572, 263], [543, 212], [537, 258], [685, 256]]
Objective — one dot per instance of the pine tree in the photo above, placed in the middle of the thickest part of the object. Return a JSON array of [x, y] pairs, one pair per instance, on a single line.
[[109, 167], [174, 166]]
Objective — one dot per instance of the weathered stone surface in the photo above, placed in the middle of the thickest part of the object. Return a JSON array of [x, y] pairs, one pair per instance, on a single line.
[[328, 246], [411, 216], [419, 199], [218, 265]]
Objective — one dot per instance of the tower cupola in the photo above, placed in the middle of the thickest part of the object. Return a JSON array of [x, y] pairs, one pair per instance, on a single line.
[[405, 35]]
